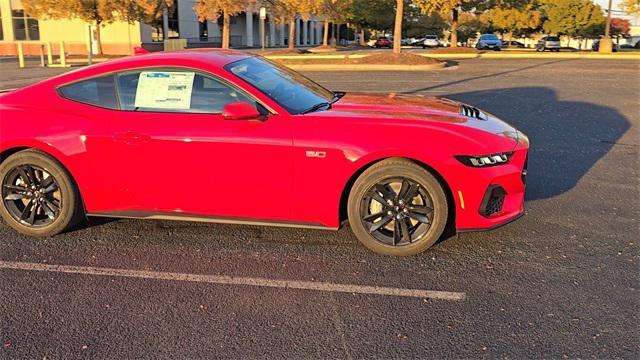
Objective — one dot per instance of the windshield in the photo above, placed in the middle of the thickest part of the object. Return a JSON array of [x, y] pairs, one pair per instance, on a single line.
[[553, 38], [431, 37], [488, 37], [289, 89]]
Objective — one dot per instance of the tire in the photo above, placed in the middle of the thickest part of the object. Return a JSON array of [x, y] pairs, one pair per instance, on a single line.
[[388, 238], [48, 220]]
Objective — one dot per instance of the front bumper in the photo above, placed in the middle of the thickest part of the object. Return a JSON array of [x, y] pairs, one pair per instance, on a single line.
[[493, 196]]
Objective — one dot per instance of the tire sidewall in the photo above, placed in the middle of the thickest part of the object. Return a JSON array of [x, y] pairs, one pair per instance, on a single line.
[[398, 168], [69, 201]]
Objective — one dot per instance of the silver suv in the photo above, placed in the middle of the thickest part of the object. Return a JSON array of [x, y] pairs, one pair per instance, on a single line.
[[551, 43]]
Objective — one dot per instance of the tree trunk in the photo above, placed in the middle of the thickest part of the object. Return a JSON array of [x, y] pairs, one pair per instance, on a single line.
[[454, 28], [337, 35], [292, 34], [362, 42], [397, 31], [98, 37], [325, 34], [225, 29]]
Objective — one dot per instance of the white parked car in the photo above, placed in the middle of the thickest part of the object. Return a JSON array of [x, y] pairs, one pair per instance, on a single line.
[[430, 41]]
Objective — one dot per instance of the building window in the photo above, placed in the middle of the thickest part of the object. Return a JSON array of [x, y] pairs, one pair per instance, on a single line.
[[204, 31], [174, 28], [24, 26], [157, 32]]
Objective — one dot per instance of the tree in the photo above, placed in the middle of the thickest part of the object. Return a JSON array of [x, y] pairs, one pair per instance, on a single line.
[[336, 11], [630, 6], [416, 24], [471, 24], [573, 17], [373, 14], [397, 27], [620, 28], [287, 11], [97, 12], [212, 9], [515, 16], [452, 7]]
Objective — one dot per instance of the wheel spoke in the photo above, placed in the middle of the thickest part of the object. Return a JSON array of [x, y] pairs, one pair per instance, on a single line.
[[411, 193], [378, 225], [44, 183], [47, 210], [16, 196], [52, 187], [25, 176], [424, 210], [52, 205], [372, 217], [421, 218], [29, 212], [375, 196], [397, 232], [13, 188], [406, 236], [403, 190], [386, 193]]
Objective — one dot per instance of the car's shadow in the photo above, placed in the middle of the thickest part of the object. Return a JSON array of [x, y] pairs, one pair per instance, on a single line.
[[567, 137]]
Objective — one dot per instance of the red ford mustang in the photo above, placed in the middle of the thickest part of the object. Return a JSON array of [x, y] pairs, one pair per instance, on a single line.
[[225, 136]]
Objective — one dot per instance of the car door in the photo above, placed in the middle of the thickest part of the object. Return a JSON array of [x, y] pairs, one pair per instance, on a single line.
[[186, 159]]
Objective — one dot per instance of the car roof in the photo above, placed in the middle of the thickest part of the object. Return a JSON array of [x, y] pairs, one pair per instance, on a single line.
[[192, 58]]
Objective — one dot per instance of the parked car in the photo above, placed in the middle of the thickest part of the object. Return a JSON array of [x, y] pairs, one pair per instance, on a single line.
[[596, 46], [383, 42], [430, 41], [227, 136], [551, 43], [489, 42], [417, 42], [512, 44]]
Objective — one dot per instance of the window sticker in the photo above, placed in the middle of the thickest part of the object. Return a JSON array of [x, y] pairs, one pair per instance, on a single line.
[[164, 90]]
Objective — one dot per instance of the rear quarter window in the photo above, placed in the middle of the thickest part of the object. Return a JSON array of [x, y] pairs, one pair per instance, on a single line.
[[100, 91]]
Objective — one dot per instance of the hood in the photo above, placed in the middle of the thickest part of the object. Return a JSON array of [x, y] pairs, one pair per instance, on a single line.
[[429, 109]]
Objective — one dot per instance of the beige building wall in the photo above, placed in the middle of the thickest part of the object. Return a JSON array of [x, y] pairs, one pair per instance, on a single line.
[[118, 38]]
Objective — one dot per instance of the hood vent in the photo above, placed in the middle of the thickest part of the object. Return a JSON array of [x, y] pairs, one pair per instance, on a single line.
[[473, 112]]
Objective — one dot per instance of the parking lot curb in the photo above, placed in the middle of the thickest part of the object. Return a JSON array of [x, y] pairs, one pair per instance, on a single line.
[[363, 67]]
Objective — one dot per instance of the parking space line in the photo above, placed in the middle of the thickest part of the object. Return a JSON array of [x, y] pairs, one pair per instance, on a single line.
[[233, 280]]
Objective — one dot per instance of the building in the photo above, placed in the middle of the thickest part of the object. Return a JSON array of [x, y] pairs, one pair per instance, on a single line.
[[119, 38]]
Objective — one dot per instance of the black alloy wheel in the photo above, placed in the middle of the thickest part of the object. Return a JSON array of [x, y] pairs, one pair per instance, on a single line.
[[397, 207], [31, 195], [39, 197], [397, 211]]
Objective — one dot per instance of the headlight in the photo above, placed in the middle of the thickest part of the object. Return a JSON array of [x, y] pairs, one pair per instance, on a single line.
[[485, 160]]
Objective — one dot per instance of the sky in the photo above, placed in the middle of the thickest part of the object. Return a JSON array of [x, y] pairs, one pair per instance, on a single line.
[[615, 7]]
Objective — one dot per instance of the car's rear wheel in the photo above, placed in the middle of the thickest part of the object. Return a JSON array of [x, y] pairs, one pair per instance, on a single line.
[[396, 207], [39, 197]]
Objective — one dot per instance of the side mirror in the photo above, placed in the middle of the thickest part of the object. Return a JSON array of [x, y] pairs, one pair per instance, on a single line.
[[240, 110]]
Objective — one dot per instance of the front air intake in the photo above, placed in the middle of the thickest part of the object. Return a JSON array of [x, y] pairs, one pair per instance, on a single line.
[[493, 201]]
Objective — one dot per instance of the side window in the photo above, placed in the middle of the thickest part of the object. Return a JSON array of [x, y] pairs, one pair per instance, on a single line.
[[99, 91], [175, 91]]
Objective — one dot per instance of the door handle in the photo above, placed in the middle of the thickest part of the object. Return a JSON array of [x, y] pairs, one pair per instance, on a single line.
[[131, 137]]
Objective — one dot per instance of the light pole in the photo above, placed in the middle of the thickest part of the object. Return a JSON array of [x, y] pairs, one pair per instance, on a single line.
[[606, 45], [263, 16]]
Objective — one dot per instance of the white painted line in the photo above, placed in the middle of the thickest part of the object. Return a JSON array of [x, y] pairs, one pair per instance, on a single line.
[[233, 280]]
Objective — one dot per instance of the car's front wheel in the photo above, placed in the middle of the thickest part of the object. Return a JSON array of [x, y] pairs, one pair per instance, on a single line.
[[396, 207], [39, 197]]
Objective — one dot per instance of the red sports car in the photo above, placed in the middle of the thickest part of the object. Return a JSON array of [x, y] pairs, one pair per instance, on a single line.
[[225, 136]]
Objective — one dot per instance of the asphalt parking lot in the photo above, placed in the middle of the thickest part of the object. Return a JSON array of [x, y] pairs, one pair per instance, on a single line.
[[560, 282]]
